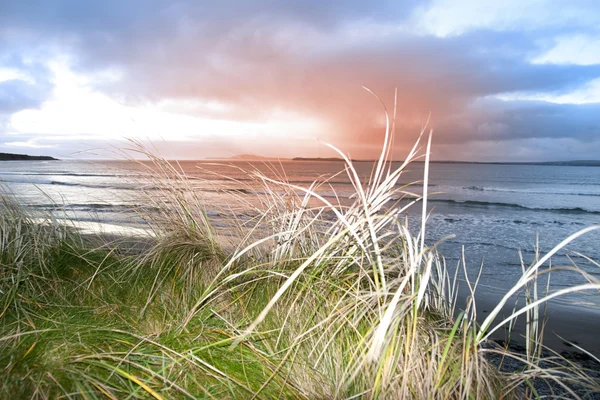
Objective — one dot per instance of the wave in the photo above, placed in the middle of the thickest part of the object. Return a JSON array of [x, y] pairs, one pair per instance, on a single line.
[[93, 186], [564, 210], [229, 190], [75, 174], [121, 186], [320, 180], [469, 243], [93, 207], [399, 184], [62, 183], [528, 191], [452, 220]]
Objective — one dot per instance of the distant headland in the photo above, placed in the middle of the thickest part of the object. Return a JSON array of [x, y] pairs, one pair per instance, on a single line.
[[257, 158], [573, 163], [24, 157], [247, 158], [319, 159]]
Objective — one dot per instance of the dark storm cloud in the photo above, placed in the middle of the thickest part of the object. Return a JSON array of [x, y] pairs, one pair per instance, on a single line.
[[311, 57]]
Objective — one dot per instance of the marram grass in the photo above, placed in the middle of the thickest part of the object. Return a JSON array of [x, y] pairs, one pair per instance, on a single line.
[[315, 300]]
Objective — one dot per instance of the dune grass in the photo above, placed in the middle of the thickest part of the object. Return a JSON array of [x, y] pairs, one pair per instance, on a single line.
[[315, 300]]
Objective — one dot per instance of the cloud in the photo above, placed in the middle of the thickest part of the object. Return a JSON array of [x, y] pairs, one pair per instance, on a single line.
[[496, 120], [573, 49], [16, 95], [585, 94], [480, 68], [23, 84], [456, 17], [525, 150]]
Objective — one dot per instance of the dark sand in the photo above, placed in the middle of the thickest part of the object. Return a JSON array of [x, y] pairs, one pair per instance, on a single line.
[[565, 323]]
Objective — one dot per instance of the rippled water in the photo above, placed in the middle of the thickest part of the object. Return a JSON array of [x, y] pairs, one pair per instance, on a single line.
[[493, 210]]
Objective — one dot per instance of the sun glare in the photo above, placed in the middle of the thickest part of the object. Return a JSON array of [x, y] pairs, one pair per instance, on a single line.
[[76, 110]]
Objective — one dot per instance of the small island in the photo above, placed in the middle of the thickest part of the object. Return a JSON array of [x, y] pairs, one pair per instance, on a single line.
[[24, 157]]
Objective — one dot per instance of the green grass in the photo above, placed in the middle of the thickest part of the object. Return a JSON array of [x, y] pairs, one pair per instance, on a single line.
[[80, 322], [298, 307]]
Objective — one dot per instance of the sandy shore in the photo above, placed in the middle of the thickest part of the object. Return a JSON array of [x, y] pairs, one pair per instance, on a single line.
[[565, 323]]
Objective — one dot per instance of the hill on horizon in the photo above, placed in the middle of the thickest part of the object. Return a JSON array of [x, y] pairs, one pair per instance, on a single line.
[[255, 157], [24, 157], [247, 157]]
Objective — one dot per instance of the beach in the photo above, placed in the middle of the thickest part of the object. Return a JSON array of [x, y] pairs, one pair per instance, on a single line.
[[482, 220], [494, 211]]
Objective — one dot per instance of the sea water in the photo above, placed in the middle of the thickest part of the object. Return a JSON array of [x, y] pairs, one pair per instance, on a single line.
[[494, 214]]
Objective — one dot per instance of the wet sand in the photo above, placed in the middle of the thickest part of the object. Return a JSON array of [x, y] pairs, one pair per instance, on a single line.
[[565, 323]]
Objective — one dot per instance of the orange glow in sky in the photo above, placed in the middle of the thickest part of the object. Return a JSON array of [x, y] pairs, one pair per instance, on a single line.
[[503, 81]]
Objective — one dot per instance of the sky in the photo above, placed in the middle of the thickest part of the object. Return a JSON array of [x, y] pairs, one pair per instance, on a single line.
[[507, 80]]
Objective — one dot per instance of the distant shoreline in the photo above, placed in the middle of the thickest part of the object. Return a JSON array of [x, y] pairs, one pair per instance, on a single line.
[[24, 157], [574, 163]]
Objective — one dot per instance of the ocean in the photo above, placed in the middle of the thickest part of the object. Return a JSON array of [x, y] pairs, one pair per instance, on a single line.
[[494, 210]]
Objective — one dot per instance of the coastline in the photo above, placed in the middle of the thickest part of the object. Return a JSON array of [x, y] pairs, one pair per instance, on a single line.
[[130, 245], [25, 157], [564, 324]]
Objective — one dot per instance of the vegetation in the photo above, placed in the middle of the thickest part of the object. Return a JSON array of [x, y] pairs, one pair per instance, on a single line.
[[315, 300]]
